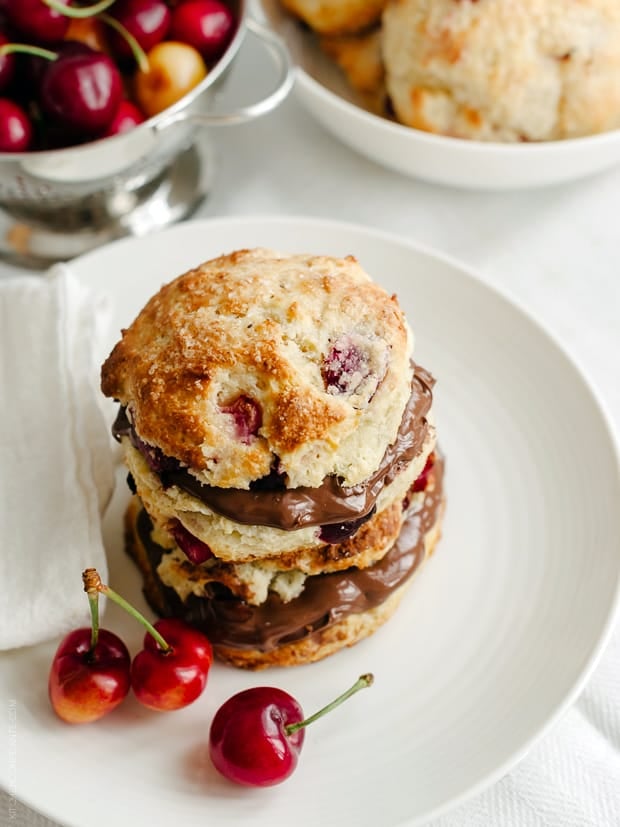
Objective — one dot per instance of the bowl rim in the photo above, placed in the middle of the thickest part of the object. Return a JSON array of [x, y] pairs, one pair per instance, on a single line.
[[241, 8], [467, 145]]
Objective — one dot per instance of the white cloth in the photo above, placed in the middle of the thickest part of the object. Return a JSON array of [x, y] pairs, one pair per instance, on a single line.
[[54, 453]]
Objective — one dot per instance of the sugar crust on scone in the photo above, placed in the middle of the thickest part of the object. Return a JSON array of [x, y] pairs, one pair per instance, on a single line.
[[259, 324], [498, 70]]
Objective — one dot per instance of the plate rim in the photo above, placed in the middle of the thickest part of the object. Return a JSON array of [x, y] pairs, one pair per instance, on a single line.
[[582, 143], [502, 294]]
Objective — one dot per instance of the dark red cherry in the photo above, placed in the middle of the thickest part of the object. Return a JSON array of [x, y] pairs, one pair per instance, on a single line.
[[207, 25], [7, 65], [36, 21], [147, 20], [15, 127], [194, 549], [337, 532], [35, 67], [257, 735], [82, 91], [127, 117]]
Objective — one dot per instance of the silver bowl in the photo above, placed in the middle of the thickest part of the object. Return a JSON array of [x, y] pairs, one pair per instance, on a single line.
[[57, 204]]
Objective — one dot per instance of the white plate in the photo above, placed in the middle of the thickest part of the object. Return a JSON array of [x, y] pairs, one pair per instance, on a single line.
[[495, 637], [473, 164]]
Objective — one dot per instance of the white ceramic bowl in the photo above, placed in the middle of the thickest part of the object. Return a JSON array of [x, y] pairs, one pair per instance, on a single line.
[[456, 162]]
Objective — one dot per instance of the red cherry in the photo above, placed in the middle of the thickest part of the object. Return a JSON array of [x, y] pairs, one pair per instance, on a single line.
[[37, 21], [85, 685], [15, 127], [248, 741], [171, 679], [247, 416], [127, 117], [257, 735], [36, 67], [147, 20], [422, 481], [207, 25], [82, 91], [194, 549], [344, 367], [7, 65]]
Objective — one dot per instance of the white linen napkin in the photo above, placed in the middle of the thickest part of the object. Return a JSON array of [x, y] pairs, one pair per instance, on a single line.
[[56, 468]]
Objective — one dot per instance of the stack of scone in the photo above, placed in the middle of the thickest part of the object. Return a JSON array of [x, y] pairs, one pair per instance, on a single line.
[[489, 70], [280, 441]]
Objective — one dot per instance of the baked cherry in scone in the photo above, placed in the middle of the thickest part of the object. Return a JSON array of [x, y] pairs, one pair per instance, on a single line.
[[247, 417]]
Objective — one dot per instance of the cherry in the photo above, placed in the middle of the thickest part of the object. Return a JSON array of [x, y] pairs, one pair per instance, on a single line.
[[207, 25], [174, 69], [172, 676], [194, 549], [82, 91], [155, 458], [37, 21], [247, 416], [171, 671], [336, 532], [256, 736], [147, 21], [89, 31], [36, 66], [344, 367], [422, 481], [127, 117], [90, 672], [7, 65], [15, 127], [86, 683]]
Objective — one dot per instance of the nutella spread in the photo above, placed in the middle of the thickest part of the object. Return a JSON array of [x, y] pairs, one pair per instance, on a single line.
[[293, 508], [327, 598]]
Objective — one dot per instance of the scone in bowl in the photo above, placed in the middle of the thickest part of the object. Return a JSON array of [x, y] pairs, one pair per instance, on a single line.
[[469, 164], [60, 203]]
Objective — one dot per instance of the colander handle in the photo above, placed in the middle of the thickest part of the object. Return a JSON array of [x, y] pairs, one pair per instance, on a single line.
[[277, 49]]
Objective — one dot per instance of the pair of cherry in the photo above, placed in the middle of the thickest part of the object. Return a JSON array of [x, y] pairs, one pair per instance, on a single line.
[[92, 671], [256, 735]]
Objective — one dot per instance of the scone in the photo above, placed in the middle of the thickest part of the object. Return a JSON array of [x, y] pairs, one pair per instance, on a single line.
[[359, 57], [496, 70], [336, 17], [280, 441]]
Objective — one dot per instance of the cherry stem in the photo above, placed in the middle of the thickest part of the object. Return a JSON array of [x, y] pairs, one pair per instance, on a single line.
[[79, 13], [27, 49], [361, 683], [93, 601], [92, 583], [137, 50]]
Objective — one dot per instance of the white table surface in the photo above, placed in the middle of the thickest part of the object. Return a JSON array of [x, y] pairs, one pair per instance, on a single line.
[[558, 252]]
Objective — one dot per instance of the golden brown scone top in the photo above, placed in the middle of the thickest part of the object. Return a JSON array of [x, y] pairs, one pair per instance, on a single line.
[[259, 331]]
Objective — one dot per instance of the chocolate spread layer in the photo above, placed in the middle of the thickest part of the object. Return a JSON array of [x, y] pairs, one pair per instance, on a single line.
[[272, 504], [326, 598]]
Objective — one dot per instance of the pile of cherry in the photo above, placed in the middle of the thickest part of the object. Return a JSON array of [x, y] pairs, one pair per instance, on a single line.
[[256, 735], [73, 71]]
